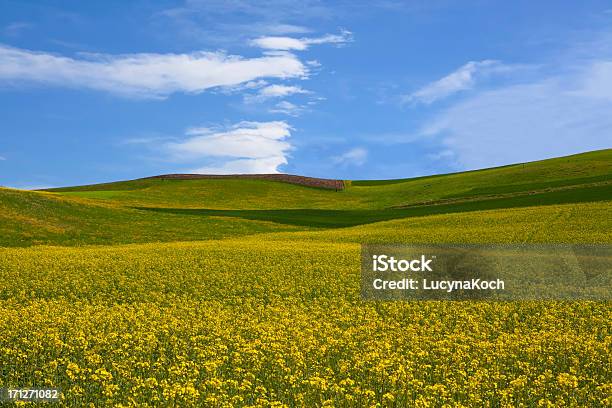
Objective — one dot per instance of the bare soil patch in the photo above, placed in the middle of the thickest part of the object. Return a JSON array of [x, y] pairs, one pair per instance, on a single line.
[[329, 184]]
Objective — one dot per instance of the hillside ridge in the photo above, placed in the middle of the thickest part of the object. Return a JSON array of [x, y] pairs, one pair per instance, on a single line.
[[594, 156], [184, 207], [330, 184]]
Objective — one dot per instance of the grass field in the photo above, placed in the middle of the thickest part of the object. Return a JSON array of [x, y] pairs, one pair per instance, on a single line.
[[246, 293], [31, 218], [589, 169]]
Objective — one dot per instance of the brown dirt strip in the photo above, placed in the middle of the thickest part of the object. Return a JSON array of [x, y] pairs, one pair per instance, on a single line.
[[329, 184]]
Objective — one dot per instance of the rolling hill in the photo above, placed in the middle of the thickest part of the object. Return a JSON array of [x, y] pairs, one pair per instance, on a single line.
[[33, 218], [246, 291], [167, 208]]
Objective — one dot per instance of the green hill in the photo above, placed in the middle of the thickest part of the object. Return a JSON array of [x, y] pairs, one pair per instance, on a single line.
[[152, 210], [30, 218], [584, 171]]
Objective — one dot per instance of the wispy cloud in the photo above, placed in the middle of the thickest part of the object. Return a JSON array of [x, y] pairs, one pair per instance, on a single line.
[[2, 158], [14, 29], [280, 91], [462, 79], [274, 91], [596, 81], [271, 17], [354, 157], [274, 10], [246, 147], [287, 108], [300, 44], [555, 115], [206, 21], [145, 75]]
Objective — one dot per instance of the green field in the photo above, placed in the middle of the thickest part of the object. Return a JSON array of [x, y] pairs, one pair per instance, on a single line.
[[583, 170], [235, 292], [157, 210]]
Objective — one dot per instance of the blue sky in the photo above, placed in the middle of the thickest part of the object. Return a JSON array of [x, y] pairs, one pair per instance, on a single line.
[[102, 91]]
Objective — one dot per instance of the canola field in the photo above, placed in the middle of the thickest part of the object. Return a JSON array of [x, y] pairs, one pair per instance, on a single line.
[[247, 293], [274, 321], [258, 324]]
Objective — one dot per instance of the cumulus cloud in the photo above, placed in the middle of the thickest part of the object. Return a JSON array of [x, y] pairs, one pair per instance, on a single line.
[[265, 165], [246, 147], [145, 75], [462, 79], [356, 157], [300, 44]]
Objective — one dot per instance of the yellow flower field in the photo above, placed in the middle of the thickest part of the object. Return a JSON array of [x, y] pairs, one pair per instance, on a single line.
[[258, 322]]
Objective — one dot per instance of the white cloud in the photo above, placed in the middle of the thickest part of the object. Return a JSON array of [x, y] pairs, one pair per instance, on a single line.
[[244, 166], [280, 43], [241, 88], [300, 44], [462, 79], [280, 91], [247, 147], [597, 80], [145, 75], [274, 91], [356, 156], [554, 116], [2, 158], [287, 108]]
